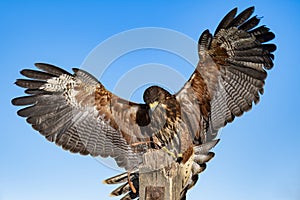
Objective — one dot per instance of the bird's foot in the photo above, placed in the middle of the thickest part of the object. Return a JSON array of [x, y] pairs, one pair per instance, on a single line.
[[177, 157]]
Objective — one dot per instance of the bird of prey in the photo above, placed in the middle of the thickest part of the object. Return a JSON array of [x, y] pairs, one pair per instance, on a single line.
[[76, 112]]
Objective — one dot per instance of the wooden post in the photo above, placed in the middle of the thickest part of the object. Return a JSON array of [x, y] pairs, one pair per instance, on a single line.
[[160, 177]]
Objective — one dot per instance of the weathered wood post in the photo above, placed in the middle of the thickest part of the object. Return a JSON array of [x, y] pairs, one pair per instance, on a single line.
[[160, 177]]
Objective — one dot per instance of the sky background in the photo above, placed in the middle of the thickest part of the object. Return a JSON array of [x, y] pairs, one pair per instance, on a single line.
[[258, 156]]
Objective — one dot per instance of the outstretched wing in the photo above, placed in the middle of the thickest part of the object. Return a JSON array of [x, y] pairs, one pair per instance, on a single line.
[[230, 74], [79, 114]]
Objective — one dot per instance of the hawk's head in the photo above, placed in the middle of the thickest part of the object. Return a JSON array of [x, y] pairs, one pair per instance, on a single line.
[[155, 95]]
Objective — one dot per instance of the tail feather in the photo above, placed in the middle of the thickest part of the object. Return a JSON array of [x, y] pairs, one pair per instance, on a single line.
[[123, 189], [120, 178], [202, 155]]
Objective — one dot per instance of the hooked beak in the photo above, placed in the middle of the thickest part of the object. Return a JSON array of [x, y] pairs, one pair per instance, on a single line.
[[153, 105]]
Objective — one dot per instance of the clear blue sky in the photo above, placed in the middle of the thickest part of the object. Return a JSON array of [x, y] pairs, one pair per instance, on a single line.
[[258, 156]]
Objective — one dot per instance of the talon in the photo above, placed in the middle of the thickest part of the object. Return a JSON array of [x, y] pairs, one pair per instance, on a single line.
[[169, 152], [130, 183], [179, 158]]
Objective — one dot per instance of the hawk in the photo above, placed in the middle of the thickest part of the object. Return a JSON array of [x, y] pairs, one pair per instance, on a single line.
[[76, 112]]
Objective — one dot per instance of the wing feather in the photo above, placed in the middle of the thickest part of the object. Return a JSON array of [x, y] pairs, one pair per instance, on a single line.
[[226, 20], [251, 23], [241, 18], [79, 114], [51, 69], [231, 71]]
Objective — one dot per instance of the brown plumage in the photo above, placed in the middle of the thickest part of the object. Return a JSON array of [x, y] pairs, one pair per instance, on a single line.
[[76, 111]]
